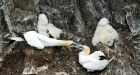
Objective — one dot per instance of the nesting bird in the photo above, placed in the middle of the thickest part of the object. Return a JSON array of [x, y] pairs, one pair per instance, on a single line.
[[40, 41], [46, 28], [105, 34], [94, 61]]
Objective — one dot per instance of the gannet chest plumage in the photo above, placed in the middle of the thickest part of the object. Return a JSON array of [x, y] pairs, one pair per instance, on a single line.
[[104, 33], [94, 61]]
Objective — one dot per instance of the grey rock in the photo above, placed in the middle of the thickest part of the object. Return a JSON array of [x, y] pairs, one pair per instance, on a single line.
[[78, 18]]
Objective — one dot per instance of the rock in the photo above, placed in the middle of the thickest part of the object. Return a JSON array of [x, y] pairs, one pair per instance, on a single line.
[[132, 18], [42, 68], [29, 70], [78, 19], [61, 73]]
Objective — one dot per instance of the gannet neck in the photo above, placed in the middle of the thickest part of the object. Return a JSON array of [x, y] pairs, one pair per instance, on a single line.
[[86, 50], [64, 42]]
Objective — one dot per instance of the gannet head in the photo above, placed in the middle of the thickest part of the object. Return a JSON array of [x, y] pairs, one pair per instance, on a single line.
[[42, 19], [86, 50], [103, 21], [79, 46], [19, 38]]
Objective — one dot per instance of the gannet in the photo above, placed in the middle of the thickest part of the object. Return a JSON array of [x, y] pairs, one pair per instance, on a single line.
[[105, 34], [46, 28], [94, 61], [42, 24], [40, 41], [54, 31]]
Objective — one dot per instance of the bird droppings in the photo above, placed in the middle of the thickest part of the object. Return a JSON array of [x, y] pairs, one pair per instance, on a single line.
[[46, 28]]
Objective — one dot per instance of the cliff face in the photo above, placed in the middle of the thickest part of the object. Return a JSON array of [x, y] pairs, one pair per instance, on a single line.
[[79, 19]]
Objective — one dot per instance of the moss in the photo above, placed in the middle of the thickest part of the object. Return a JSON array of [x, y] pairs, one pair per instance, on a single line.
[[27, 5], [137, 12], [83, 1]]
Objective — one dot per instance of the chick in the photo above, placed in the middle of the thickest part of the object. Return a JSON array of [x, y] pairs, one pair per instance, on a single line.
[[105, 34], [54, 31], [42, 24], [46, 28], [94, 61]]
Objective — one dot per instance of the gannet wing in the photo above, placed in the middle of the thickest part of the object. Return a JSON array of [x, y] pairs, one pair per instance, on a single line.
[[35, 42], [46, 41], [32, 40], [16, 38], [84, 59], [90, 65], [113, 33], [94, 65]]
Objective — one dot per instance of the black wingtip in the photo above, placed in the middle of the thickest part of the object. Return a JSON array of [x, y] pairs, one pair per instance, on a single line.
[[113, 45], [9, 41], [19, 34], [103, 58]]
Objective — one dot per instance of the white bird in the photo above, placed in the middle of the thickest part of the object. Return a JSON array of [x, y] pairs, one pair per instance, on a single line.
[[105, 33], [42, 24], [94, 61], [54, 31], [40, 41], [46, 28]]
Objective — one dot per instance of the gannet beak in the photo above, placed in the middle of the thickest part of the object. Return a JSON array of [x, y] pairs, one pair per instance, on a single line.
[[77, 45]]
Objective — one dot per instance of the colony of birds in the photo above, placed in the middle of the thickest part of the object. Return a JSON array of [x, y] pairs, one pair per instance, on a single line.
[[104, 34]]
